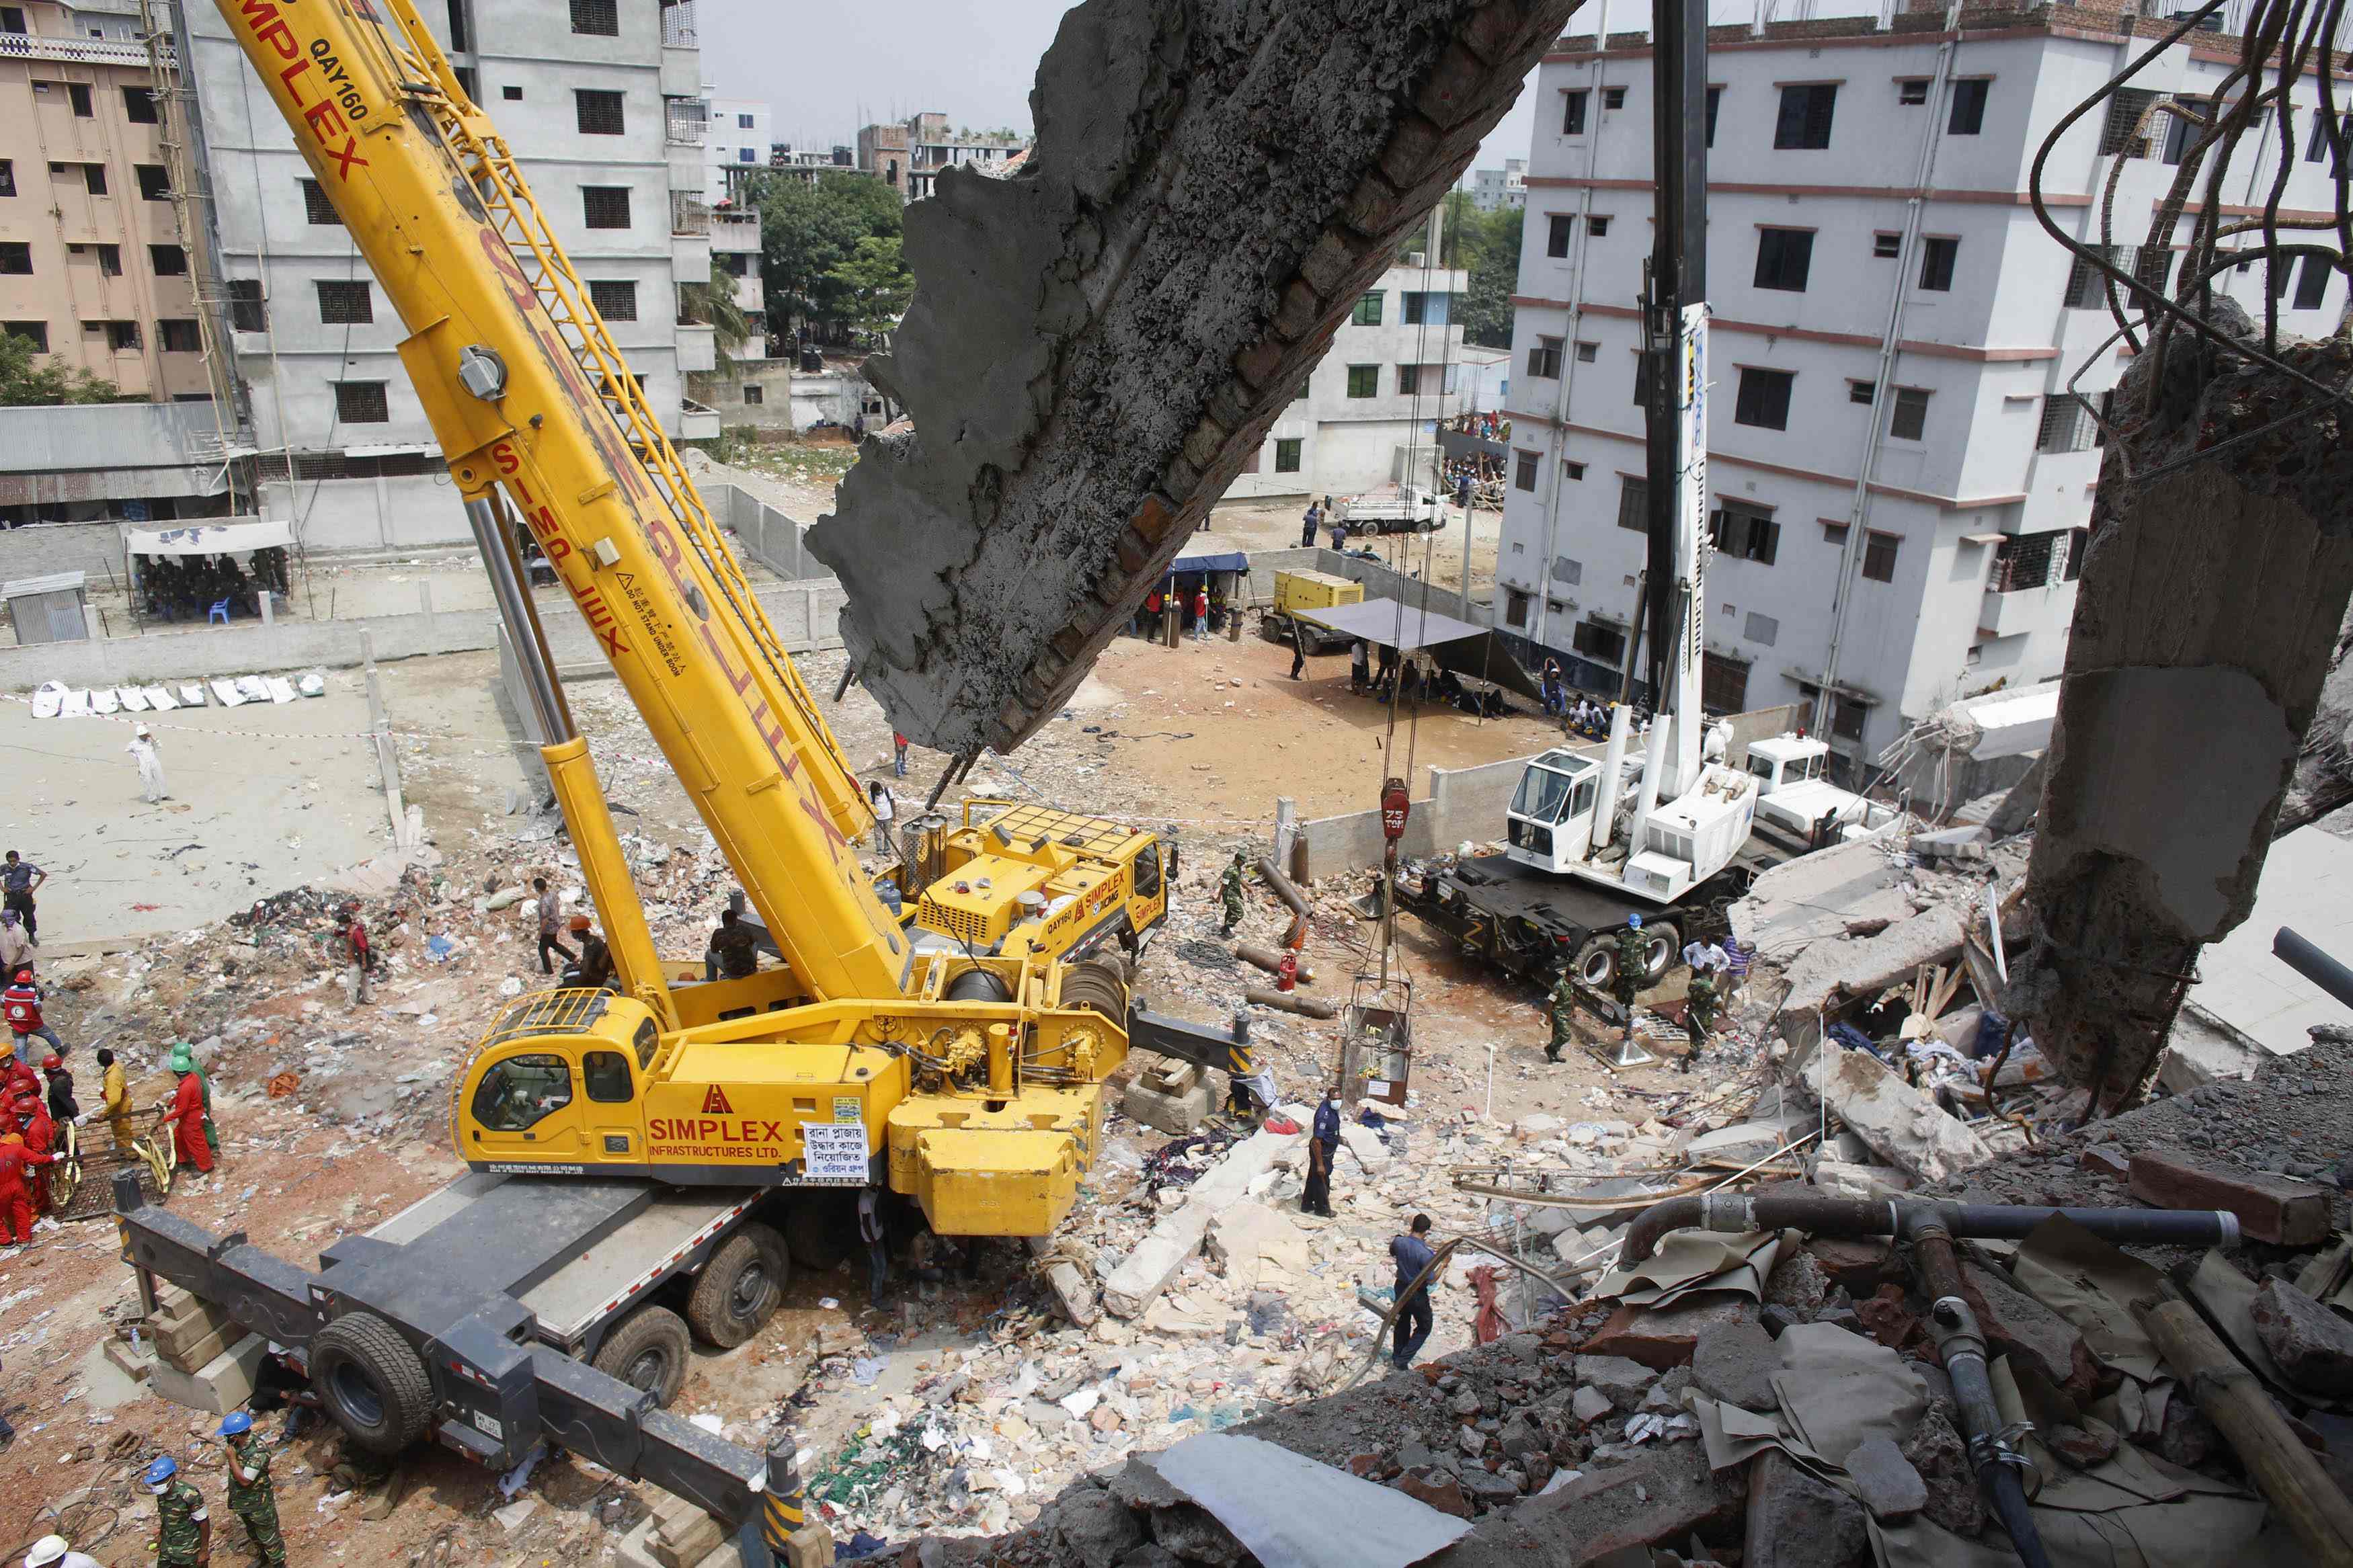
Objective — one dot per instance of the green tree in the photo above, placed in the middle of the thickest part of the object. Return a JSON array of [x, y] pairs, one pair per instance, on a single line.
[[1487, 245], [871, 286], [807, 230], [714, 305], [26, 380]]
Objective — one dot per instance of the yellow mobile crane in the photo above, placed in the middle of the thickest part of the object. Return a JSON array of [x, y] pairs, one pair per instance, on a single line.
[[971, 1083]]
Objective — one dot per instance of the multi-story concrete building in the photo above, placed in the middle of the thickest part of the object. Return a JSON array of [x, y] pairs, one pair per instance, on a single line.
[[1367, 415], [736, 147], [1504, 187], [806, 163], [92, 269], [908, 155], [601, 102], [1899, 538]]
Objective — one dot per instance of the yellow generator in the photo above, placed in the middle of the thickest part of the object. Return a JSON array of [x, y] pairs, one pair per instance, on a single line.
[[1297, 597], [1015, 879]]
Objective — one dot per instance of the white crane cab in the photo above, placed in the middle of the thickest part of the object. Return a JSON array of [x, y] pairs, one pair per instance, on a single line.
[[1580, 816], [1796, 795]]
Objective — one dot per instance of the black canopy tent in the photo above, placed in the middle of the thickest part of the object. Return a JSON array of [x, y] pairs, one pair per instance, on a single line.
[[1458, 646]]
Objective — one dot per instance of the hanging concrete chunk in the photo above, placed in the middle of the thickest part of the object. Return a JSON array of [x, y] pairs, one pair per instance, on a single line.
[[1097, 345]]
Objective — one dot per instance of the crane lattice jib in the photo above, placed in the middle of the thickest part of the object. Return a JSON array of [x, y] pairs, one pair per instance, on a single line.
[[430, 195]]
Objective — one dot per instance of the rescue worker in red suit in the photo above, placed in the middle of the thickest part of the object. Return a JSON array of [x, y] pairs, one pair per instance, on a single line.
[[187, 1118], [40, 1139], [16, 1078], [16, 1200]]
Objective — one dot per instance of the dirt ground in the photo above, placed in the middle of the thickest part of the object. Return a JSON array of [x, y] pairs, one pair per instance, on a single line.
[[1204, 737]]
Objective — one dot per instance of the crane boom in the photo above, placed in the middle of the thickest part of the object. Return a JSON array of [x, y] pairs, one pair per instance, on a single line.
[[534, 407]]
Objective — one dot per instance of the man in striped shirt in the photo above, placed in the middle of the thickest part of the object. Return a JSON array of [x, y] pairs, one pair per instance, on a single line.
[[1735, 973]]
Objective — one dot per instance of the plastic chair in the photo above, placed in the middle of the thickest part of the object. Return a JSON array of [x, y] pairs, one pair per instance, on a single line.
[[220, 612]]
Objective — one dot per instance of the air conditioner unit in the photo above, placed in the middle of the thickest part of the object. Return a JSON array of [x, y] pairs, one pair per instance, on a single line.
[[1416, 259]]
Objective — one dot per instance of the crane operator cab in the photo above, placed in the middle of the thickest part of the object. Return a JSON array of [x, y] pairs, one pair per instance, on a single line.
[[1550, 822]]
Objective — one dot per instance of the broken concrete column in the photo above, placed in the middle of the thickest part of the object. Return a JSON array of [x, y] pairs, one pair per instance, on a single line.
[[1098, 345], [2204, 623]]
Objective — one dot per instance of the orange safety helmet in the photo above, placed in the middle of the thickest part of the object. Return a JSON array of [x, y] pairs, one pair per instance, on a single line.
[[579, 922]]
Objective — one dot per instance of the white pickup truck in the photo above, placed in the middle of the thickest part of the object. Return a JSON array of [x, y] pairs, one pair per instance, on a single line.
[[1793, 795], [1396, 508]]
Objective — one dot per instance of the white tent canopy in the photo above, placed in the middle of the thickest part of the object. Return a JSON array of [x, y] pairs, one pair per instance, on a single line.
[[233, 537]]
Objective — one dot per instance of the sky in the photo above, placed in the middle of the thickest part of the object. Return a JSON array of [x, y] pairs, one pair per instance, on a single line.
[[825, 70]]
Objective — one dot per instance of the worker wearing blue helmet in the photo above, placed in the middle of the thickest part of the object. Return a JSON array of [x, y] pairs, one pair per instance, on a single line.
[[1632, 962], [250, 1496], [184, 1531]]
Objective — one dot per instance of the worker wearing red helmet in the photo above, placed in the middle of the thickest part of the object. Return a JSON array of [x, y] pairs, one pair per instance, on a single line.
[[16, 1198], [21, 1004], [187, 1116], [40, 1139], [63, 1106]]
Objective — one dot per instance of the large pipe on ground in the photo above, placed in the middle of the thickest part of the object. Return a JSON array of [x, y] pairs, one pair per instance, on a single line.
[[1290, 1001], [1288, 891], [1269, 959], [1961, 1347], [1738, 1213]]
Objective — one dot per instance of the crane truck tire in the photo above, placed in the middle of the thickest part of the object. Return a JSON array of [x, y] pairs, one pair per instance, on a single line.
[[818, 1228], [1663, 947], [1595, 966], [648, 1352], [371, 1382], [739, 1287]]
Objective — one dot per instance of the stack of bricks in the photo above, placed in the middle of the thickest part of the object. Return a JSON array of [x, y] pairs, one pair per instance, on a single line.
[[204, 1360]]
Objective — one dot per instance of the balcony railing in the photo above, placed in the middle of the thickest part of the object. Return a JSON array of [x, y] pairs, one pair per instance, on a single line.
[[78, 52], [678, 26], [688, 122], [689, 214]]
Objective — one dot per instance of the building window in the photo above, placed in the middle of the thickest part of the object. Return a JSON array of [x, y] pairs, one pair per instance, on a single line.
[[755, 394], [1858, 392], [1783, 255], [2311, 281], [1600, 642], [1886, 247], [2078, 541], [615, 301], [1557, 229], [316, 207], [1363, 381], [122, 337], [1761, 629], [2123, 135], [1763, 398], [1573, 470], [1408, 380], [1613, 98], [36, 334], [2024, 561], [8, 176], [1288, 451], [1634, 504], [1723, 684], [1936, 259], [361, 403], [180, 336], [1912, 89], [1524, 471], [12, 19], [1715, 97], [1431, 309], [467, 83], [1596, 227], [742, 122], [1879, 554], [1642, 379], [1910, 417], [2087, 284], [346, 303], [1543, 359], [248, 313], [78, 93], [2067, 425], [139, 106], [1834, 535], [1572, 114], [598, 18], [1586, 352], [110, 260], [167, 261], [605, 206], [1968, 117], [511, 94], [2325, 139], [2185, 127], [1804, 122], [93, 177], [1846, 720], [16, 258], [1515, 608], [1745, 532], [599, 112], [1368, 311], [155, 182]]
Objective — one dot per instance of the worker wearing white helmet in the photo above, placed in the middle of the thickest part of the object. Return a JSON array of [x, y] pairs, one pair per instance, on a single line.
[[51, 1552]]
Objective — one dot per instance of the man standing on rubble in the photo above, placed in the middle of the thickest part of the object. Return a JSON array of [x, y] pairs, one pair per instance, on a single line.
[[15, 1192], [16, 947], [40, 1135], [183, 1530], [21, 1002], [1413, 1256], [20, 880], [151, 765], [358, 956], [1309, 524], [187, 1114], [63, 1106], [1322, 1149], [1631, 961], [114, 1098], [1230, 887], [551, 918], [596, 970], [1563, 1007], [250, 1496]]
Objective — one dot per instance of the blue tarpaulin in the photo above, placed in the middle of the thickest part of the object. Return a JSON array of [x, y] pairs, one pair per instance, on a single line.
[[1220, 560]]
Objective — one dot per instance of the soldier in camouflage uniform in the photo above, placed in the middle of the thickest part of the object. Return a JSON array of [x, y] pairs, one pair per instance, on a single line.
[[184, 1534], [1700, 1009], [1630, 965], [1564, 998], [1230, 886], [250, 1496]]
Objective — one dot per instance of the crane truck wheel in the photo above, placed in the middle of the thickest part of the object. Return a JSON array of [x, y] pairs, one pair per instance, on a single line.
[[648, 1352], [1662, 946], [371, 1382], [1596, 962], [739, 1287], [818, 1231]]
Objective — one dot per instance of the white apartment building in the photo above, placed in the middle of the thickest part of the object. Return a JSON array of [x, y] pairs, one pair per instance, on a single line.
[[601, 101], [736, 147], [1952, 501], [1504, 187], [1367, 414]]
